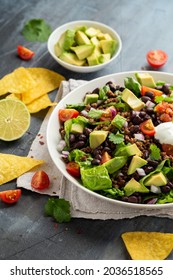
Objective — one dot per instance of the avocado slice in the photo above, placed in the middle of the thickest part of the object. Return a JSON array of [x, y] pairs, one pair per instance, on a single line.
[[129, 150], [104, 57], [130, 98], [97, 137], [104, 36], [83, 51], [133, 186], [77, 128], [81, 38], [91, 98], [68, 39], [135, 163], [108, 46], [157, 180], [93, 59], [71, 58], [115, 164], [91, 32], [145, 79]]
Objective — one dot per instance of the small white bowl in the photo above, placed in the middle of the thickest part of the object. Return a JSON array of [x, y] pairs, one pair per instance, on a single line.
[[54, 37]]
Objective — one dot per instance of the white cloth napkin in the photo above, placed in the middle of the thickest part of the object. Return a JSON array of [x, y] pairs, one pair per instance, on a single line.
[[83, 204]]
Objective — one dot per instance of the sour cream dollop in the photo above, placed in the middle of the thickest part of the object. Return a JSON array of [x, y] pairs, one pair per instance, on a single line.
[[164, 133]]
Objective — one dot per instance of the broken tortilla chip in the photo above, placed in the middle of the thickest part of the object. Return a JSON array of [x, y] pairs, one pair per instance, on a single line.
[[148, 245], [19, 81], [46, 81], [12, 166], [40, 103]]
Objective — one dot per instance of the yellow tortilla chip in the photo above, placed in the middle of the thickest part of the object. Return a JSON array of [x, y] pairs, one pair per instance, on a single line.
[[12, 166], [46, 81], [40, 103], [14, 96], [19, 81], [148, 245]]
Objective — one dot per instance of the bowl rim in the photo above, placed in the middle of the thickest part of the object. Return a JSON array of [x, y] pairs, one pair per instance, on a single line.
[[72, 179], [83, 68]]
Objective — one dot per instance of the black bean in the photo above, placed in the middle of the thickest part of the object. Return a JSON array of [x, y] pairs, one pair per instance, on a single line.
[[145, 154], [152, 162], [145, 99], [150, 111], [142, 114], [125, 198], [72, 138], [95, 161], [133, 114], [112, 87], [134, 128], [98, 156], [96, 152], [147, 117], [165, 189], [96, 90], [165, 89], [148, 169], [82, 137], [107, 149], [149, 94], [136, 120], [87, 131], [79, 145]]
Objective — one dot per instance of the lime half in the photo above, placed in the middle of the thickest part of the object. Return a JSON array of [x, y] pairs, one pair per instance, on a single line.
[[14, 119]]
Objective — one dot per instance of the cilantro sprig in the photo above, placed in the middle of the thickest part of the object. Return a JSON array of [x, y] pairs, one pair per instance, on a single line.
[[36, 30], [59, 209], [154, 152], [116, 138]]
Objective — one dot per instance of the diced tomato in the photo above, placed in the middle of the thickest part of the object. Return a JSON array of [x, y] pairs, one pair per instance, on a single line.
[[168, 149], [108, 114], [66, 114], [147, 127], [105, 157], [40, 180], [156, 58], [10, 196], [73, 169], [165, 111], [145, 89], [24, 53]]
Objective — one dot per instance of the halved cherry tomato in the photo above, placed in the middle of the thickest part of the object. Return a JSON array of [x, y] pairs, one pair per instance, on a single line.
[[40, 180], [73, 169], [66, 114], [108, 114], [168, 149], [24, 53], [10, 196], [156, 58], [105, 157], [145, 89], [147, 127]]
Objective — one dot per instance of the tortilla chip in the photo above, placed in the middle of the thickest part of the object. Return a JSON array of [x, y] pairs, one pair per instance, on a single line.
[[12, 166], [46, 81], [40, 103], [14, 96], [148, 245], [19, 81]]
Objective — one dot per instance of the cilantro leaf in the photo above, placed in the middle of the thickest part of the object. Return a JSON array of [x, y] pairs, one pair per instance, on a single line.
[[116, 138], [36, 30], [59, 209], [154, 152]]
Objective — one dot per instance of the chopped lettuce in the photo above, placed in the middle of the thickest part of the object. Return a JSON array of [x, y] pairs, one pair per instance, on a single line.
[[83, 159], [133, 85], [96, 178], [113, 193], [103, 92]]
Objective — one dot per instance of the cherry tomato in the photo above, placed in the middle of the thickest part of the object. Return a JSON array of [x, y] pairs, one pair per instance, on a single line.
[[105, 157], [24, 53], [168, 149], [66, 114], [10, 196], [156, 58], [73, 169], [147, 127], [40, 180], [145, 89]]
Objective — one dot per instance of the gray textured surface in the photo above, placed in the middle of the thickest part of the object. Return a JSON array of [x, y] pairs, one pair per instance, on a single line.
[[143, 25]]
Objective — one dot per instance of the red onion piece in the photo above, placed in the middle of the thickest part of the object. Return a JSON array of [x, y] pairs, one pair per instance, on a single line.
[[141, 171], [113, 112], [150, 104], [61, 145], [139, 136]]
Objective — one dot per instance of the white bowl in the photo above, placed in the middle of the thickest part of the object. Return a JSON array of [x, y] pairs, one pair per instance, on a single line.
[[54, 37], [76, 96]]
